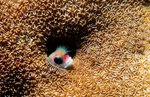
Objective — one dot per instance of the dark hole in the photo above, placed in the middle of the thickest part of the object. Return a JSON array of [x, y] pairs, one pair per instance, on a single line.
[[71, 39]]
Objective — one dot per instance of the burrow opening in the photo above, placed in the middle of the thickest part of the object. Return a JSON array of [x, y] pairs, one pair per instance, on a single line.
[[72, 39]]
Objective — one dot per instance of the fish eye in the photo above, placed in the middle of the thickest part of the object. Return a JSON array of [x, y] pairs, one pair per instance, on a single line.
[[58, 60]]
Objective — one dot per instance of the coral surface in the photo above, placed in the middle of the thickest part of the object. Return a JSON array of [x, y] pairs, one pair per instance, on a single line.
[[108, 39]]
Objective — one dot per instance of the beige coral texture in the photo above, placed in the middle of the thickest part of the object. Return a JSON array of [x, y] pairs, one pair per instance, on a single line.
[[113, 60]]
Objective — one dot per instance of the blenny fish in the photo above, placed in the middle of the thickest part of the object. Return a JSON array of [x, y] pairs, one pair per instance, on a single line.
[[60, 58]]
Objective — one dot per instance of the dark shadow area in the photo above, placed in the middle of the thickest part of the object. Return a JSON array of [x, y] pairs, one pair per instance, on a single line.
[[71, 39], [15, 84], [146, 2]]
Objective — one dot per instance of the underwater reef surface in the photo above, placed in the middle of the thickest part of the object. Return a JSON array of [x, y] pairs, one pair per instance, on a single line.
[[108, 39]]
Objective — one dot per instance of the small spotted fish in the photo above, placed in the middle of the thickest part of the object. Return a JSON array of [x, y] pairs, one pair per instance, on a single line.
[[60, 58]]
